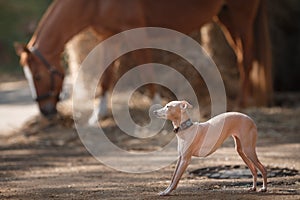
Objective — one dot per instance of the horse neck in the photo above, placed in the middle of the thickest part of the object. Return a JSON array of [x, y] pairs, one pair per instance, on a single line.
[[57, 28]]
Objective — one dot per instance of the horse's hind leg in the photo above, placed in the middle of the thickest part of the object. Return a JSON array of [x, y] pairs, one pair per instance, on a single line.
[[237, 21], [248, 162]]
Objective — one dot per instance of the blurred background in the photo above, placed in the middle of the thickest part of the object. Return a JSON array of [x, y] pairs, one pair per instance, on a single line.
[[18, 20]]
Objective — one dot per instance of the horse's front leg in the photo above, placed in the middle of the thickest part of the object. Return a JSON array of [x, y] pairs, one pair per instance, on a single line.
[[101, 111], [148, 75]]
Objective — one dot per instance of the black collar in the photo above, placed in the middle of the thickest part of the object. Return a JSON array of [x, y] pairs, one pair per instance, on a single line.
[[184, 125]]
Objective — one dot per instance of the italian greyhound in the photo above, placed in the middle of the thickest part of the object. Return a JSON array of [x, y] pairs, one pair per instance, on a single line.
[[202, 139]]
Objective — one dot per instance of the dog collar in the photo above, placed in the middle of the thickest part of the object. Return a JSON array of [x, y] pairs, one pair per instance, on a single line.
[[184, 125]]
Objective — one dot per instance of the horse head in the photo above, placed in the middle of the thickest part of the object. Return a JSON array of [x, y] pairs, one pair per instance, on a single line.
[[45, 80]]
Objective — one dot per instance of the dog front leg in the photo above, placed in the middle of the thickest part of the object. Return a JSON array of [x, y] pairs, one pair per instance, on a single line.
[[182, 164]]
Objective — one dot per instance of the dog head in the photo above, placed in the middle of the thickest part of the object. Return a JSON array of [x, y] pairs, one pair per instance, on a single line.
[[172, 110]]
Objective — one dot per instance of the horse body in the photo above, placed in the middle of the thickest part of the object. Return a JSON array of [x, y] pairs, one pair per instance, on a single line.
[[65, 19], [118, 15]]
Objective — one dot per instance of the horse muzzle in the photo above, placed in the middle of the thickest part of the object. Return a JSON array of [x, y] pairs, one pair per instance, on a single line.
[[48, 110]]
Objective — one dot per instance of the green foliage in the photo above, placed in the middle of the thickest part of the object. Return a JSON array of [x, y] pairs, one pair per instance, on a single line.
[[18, 20]]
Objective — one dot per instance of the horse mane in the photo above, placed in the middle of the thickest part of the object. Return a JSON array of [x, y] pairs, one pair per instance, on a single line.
[[41, 23]]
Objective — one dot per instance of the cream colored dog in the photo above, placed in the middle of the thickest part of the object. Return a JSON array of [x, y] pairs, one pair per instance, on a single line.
[[202, 139]]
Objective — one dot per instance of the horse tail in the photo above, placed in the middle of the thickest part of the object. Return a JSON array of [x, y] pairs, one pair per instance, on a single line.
[[261, 73]]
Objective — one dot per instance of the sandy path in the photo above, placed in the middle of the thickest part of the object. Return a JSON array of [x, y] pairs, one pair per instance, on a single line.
[[16, 105], [53, 163]]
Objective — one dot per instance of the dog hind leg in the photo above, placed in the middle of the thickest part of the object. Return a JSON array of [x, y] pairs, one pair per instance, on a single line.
[[248, 162], [251, 154]]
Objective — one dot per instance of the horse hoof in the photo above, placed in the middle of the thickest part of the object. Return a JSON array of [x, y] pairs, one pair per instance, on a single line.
[[253, 189], [93, 120], [263, 190]]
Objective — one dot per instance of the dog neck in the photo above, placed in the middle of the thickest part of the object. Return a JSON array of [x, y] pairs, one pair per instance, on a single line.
[[185, 125], [184, 122]]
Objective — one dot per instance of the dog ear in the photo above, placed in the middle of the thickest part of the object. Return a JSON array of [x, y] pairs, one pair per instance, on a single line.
[[20, 48], [184, 105]]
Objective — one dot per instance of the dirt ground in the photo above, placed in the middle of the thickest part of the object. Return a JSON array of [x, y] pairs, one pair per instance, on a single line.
[[42, 161]]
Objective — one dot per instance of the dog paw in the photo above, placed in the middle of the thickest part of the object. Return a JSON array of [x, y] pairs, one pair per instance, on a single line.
[[163, 193]]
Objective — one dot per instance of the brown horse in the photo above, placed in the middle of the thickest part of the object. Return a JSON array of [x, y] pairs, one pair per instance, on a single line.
[[243, 23]]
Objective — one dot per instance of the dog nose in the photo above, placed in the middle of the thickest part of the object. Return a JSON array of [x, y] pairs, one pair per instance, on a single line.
[[48, 110]]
